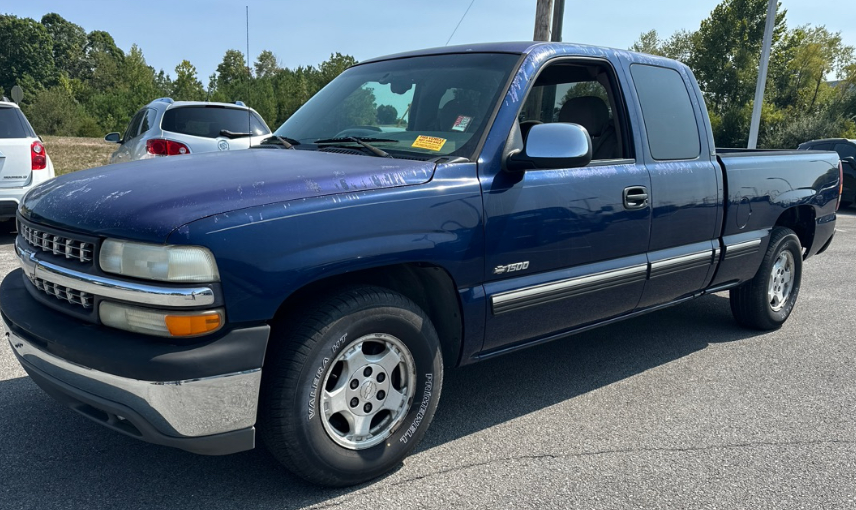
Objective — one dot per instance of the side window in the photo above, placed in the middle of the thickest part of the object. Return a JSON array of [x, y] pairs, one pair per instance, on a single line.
[[134, 126], [258, 126], [667, 112], [149, 120], [845, 150], [579, 94]]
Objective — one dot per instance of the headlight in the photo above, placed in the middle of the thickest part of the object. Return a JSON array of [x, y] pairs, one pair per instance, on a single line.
[[160, 323], [158, 262]]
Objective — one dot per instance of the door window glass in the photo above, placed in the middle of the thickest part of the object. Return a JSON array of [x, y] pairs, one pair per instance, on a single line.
[[134, 126], [579, 94]]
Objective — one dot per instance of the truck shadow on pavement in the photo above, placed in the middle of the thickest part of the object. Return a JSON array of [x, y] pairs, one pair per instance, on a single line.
[[52, 457]]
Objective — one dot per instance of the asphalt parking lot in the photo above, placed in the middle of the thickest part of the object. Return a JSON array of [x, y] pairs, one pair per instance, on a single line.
[[677, 409]]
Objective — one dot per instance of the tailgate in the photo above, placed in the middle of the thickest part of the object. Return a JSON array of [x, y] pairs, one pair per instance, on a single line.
[[15, 162]]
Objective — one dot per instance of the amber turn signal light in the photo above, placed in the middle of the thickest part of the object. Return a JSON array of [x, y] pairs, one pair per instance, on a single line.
[[192, 325]]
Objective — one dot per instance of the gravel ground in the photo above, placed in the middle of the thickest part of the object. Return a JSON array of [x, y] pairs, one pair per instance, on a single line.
[[676, 409]]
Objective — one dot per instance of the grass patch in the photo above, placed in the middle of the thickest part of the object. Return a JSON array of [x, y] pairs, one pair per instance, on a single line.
[[70, 154]]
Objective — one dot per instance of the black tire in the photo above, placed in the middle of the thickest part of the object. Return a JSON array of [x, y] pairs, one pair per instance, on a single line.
[[320, 349], [752, 304]]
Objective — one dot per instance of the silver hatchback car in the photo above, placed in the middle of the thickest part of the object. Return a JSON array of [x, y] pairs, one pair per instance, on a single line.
[[170, 128]]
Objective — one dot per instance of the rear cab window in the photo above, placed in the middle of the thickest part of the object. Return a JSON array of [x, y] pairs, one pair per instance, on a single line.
[[208, 121], [13, 124], [667, 112]]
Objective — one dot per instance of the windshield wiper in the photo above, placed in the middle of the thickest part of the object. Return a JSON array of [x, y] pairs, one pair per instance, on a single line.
[[233, 135], [284, 141], [361, 141]]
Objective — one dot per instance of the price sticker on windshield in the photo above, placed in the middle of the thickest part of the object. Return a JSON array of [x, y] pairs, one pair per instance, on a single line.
[[432, 143]]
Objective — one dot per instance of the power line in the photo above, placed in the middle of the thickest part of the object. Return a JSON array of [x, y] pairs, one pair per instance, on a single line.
[[459, 23]]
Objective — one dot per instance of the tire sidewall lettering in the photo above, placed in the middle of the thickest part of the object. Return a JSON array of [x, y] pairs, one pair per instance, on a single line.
[[423, 407]]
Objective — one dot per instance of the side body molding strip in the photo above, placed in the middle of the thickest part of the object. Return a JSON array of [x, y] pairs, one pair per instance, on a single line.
[[555, 291]]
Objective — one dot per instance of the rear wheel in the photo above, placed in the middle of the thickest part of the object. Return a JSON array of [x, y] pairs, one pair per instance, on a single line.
[[350, 386], [765, 302]]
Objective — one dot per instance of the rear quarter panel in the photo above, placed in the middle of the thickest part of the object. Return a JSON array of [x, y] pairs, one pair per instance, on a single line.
[[761, 186]]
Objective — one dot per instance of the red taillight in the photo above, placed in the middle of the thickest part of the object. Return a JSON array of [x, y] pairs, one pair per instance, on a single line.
[[840, 183], [161, 147], [38, 156]]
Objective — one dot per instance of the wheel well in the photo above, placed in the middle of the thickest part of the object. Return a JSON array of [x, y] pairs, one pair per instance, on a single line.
[[430, 287], [801, 220]]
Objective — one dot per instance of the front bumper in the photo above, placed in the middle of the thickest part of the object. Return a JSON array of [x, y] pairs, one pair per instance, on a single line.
[[199, 397], [211, 416]]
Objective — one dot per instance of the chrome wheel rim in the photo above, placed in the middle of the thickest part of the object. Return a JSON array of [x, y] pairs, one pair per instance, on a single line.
[[781, 281], [367, 391]]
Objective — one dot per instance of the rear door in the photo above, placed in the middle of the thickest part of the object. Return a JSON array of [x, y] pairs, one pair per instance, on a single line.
[[128, 150], [686, 184], [16, 139]]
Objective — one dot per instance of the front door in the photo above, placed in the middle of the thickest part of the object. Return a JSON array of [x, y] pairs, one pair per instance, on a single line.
[[564, 248]]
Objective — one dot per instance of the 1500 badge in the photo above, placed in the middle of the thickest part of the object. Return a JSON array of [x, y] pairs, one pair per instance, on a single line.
[[517, 266]]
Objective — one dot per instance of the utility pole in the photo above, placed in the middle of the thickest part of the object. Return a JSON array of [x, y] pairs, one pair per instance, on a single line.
[[558, 18], [762, 75], [543, 18]]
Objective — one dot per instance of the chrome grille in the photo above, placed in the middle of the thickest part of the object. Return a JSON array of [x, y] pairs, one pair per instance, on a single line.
[[63, 293], [58, 245]]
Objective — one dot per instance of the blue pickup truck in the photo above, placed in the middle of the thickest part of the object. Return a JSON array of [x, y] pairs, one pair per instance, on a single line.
[[424, 210]]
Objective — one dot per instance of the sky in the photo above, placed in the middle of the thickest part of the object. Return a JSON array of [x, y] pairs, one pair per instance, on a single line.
[[308, 32]]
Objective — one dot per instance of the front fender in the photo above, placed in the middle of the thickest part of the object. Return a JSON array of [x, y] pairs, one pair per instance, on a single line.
[[266, 253]]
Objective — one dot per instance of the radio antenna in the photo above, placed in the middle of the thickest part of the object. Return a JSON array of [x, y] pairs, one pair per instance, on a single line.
[[249, 75]]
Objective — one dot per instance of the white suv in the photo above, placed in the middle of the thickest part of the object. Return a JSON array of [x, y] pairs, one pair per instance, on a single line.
[[23, 160], [171, 128]]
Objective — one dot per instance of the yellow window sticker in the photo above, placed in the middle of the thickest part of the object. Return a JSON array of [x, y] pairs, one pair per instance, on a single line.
[[432, 143]]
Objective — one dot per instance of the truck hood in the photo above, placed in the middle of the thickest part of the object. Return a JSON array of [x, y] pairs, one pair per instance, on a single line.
[[146, 200]]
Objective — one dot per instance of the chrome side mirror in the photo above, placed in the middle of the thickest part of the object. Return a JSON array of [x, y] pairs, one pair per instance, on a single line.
[[554, 145]]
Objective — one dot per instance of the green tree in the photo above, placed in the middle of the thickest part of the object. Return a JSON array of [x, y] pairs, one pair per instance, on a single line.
[[121, 88], [358, 109], [69, 43], [649, 42], [187, 86], [163, 84], [386, 114], [266, 65], [26, 49], [727, 49], [333, 67], [679, 46], [232, 76], [54, 112]]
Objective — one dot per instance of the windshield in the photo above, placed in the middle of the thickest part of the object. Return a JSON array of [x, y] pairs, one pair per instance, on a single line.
[[423, 107]]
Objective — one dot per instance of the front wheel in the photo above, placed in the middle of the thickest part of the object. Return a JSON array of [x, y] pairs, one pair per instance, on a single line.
[[766, 301], [350, 386]]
